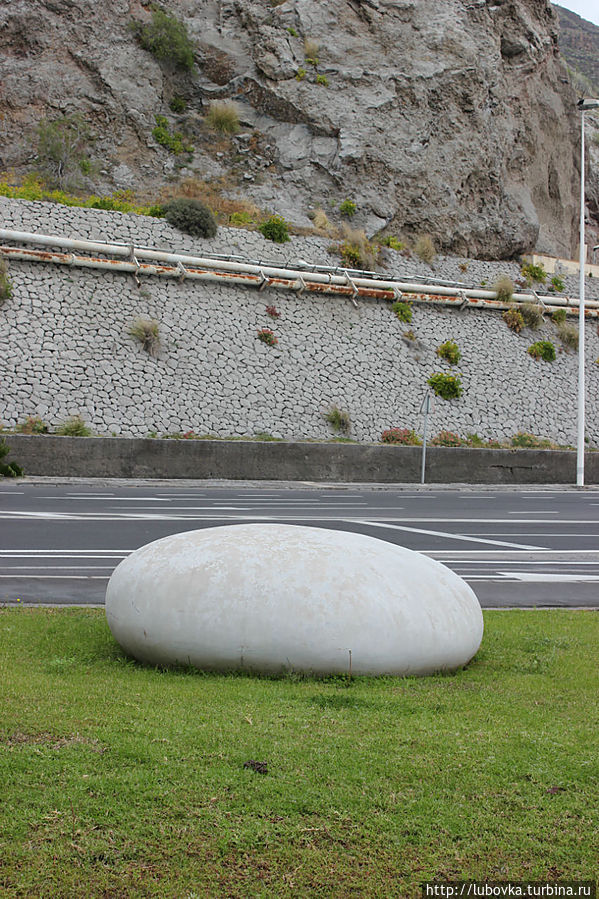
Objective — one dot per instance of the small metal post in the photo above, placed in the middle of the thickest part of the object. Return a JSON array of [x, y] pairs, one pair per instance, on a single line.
[[426, 408]]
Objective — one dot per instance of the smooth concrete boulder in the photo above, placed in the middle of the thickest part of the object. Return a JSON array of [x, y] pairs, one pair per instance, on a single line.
[[273, 597]]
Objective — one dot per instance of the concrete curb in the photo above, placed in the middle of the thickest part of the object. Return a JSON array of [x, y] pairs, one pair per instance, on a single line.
[[146, 458]]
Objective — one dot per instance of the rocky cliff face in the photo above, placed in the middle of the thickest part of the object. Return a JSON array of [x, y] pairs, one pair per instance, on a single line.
[[452, 118], [579, 44]]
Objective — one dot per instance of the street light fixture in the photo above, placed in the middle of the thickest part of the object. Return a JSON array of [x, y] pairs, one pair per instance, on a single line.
[[584, 105]]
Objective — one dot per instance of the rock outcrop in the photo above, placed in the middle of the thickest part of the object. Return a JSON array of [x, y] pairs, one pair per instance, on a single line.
[[579, 44], [454, 119]]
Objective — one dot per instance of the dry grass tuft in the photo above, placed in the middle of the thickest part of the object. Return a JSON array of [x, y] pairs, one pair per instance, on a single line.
[[322, 223], [532, 313], [223, 116], [311, 48], [568, 334], [356, 250], [425, 249], [146, 332], [504, 288]]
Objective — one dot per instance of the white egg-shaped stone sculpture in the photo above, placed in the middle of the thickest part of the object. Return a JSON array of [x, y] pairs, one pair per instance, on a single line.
[[275, 597]]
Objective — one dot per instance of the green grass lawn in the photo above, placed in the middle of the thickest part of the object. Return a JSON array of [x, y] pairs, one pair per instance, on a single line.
[[119, 780]]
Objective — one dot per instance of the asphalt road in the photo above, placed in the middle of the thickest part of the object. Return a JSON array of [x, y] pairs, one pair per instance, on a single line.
[[59, 542]]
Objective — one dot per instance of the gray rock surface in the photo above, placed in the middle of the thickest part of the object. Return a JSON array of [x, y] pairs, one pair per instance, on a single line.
[[445, 118]]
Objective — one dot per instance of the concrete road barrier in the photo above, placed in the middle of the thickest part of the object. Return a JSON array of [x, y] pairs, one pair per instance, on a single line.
[[118, 457]]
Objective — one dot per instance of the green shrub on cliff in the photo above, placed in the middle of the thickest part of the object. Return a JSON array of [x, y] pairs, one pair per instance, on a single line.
[[62, 151], [191, 217], [166, 38]]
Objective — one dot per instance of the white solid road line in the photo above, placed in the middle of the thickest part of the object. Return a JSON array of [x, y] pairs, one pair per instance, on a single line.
[[319, 514], [504, 553], [539, 577], [61, 577], [511, 561], [533, 534], [109, 498], [80, 553], [57, 567], [14, 514], [397, 527]]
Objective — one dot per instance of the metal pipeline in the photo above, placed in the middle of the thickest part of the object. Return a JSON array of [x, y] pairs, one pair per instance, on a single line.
[[184, 265]]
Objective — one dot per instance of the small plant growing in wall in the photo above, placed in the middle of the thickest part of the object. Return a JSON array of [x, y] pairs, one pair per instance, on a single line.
[[5, 282], [532, 313], [534, 273], [450, 352], [146, 331], [33, 424], [446, 438], [338, 419], [273, 312], [267, 337], [356, 250], [504, 288], [73, 427], [8, 469], [542, 349], [530, 441], [558, 316], [513, 319], [402, 310], [448, 387], [191, 217], [322, 79], [557, 284], [474, 440], [568, 334], [275, 228], [401, 437]]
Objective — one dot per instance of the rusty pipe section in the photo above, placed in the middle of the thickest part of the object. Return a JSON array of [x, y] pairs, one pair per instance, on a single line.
[[169, 271], [184, 265]]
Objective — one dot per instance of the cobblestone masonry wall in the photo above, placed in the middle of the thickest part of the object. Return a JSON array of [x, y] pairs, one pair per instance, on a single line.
[[65, 348]]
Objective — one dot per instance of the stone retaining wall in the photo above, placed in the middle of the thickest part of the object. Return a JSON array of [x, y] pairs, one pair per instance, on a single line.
[[65, 348]]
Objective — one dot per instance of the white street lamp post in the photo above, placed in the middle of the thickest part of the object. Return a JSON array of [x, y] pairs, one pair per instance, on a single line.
[[583, 105]]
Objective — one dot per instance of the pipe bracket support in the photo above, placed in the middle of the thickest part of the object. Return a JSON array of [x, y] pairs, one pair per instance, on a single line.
[[355, 290], [264, 281]]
